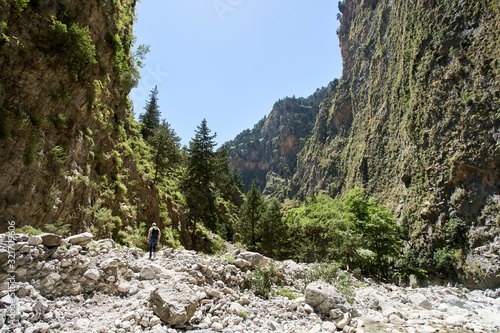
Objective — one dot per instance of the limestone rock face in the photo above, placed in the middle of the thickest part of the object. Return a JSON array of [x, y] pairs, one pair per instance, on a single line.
[[65, 75], [174, 303], [273, 144]]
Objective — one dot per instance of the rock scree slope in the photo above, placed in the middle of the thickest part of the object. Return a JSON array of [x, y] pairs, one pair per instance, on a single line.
[[82, 285]]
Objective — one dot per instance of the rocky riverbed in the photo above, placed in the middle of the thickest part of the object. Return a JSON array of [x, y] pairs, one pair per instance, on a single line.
[[49, 284]]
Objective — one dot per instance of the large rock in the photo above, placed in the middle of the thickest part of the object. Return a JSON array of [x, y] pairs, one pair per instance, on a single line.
[[51, 239], [174, 303], [420, 300], [148, 273], [323, 297], [92, 274], [35, 240], [80, 239], [255, 259]]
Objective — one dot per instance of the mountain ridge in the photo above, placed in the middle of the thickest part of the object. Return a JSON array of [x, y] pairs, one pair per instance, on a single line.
[[273, 143]]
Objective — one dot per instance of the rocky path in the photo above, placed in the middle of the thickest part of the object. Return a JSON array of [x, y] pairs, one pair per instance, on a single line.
[[79, 285]]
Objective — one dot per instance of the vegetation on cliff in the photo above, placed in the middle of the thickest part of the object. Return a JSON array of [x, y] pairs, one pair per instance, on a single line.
[[271, 147], [413, 123], [72, 156], [414, 120]]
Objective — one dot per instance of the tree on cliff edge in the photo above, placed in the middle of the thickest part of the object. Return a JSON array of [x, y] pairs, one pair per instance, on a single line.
[[150, 119]]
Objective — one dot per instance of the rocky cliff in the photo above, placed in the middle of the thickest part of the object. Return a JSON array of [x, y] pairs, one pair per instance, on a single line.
[[415, 120], [270, 149], [71, 154]]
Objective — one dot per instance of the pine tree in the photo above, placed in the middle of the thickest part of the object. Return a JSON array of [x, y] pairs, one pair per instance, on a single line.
[[150, 119], [198, 184], [250, 214], [272, 230], [166, 150]]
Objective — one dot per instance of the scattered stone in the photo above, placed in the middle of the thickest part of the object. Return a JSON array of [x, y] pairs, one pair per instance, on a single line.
[[50, 240], [174, 303], [124, 287], [182, 290], [148, 273], [92, 274], [255, 259], [420, 300], [323, 297], [80, 239], [35, 240]]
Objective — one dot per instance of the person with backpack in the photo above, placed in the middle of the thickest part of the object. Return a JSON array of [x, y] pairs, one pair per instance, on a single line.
[[153, 238]]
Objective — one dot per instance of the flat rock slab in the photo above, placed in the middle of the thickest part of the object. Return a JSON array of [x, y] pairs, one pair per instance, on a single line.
[[80, 239], [51, 239]]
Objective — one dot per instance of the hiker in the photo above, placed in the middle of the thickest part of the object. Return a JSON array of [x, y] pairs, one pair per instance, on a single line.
[[153, 238]]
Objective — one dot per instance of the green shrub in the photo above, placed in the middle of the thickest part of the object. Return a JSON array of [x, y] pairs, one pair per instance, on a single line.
[[59, 228], [331, 274], [76, 45], [443, 259], [172, 238], [58, 155], [326, 272], [29, 158], [117, 159], [288, 294], [261, 279], [28, 230], [242, 314]]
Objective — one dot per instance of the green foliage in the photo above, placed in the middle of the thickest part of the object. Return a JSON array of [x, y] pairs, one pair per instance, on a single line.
[[150, 119], [172, 238], [20, 5], [443, 259], [60, 122], [58, 155], [261, 279], [242, 314], [272, 231], [135, 236], [29, 157], [116, 157], [166, 150], [249, 218], [198, 182], [75, 44], [60, 227], [28, 230], [356, 231], [331, 274], [140, 54], [61, 93], [288, 294], [326, 272], [218, 244]]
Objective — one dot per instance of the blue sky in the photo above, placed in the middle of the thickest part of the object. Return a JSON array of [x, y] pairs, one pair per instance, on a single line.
[[228, 61]]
